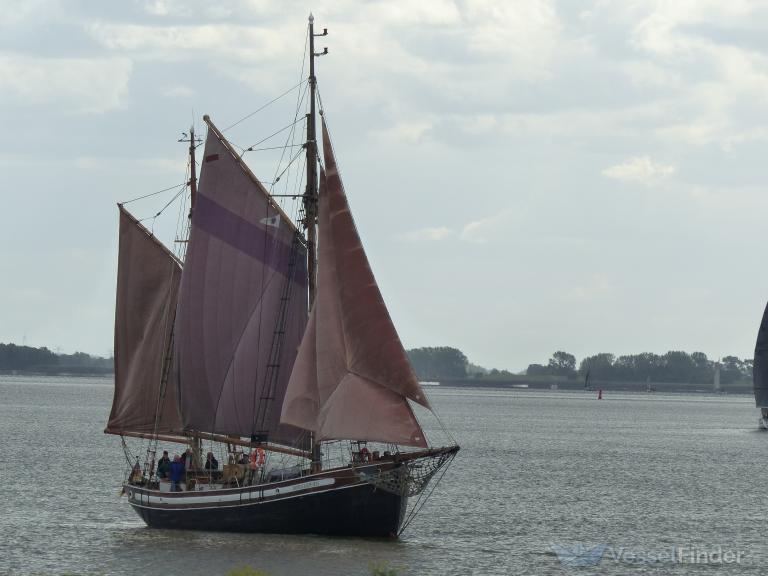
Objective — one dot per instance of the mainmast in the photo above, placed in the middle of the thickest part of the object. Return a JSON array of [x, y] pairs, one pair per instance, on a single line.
[[310, 197]]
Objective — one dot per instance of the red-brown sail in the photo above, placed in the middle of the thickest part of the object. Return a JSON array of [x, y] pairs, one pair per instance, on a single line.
[[352, 378], [147, 285], [245, 267]]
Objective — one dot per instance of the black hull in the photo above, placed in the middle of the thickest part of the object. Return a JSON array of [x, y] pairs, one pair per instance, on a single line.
[[357, 510]]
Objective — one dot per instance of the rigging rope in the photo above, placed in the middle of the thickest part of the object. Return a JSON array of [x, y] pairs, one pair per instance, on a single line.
[[276, 180], [276, 147], [283, 129], [154, 193], [292, 134], [244, 118], [182, 187], [422, 499]]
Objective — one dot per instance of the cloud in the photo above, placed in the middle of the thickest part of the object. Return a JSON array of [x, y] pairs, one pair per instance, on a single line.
[[690, 50], [484, 229], [169, 43], [639, 169], [427, 234], [177, 91], [424, 12], [79, 85], [410, 132], [595, 288], [198, 9], [28, 12], [525, 32], [115, 164], [477, 231]]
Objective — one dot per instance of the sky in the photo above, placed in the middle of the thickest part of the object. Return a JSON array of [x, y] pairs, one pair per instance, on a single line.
[[527, 176]]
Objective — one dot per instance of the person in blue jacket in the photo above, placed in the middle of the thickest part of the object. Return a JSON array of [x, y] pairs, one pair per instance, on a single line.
[[177, 471]]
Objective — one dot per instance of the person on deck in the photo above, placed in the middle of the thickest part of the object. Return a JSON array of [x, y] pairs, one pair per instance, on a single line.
[[177, 471], [136, 473], [164, 465], [210, 462], [187, 461], [256, 460]]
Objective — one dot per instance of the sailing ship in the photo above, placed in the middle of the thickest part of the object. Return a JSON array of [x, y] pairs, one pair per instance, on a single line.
[[270, 344], [760, 371]]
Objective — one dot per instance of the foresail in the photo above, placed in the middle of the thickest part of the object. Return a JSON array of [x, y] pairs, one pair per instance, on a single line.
[[760, 366], [352, 378], [242, 305], [147, 286]]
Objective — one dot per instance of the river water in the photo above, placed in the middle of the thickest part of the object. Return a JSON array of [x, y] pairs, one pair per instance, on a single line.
[[645, 478]]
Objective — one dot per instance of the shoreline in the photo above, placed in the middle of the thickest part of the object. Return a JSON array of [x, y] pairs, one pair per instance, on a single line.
[[522, 383]]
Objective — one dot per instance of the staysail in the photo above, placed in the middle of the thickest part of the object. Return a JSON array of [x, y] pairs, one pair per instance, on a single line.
[[148, 277], [242, 304], [760, 366], [352, 378]]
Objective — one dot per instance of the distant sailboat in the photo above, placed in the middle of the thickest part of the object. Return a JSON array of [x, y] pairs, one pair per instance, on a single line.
[[269, 353], [760, 371]]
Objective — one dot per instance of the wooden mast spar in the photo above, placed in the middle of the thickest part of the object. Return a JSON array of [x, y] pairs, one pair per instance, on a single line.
[[184, 438], [310, 196]]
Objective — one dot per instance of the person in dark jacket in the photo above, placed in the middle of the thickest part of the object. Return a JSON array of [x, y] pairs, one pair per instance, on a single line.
[[211, 463], [177, 472], [187, 461], [164, 465]]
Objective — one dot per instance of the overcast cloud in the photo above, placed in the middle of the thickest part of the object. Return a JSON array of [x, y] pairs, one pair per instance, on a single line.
[[527, 175]]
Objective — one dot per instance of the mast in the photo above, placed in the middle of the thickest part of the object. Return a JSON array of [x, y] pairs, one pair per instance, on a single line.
[[310, 197], [192, 171], [192, 168]]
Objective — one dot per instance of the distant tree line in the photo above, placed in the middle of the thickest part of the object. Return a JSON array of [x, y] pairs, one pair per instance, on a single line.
[[561, 364], [433, 364], [445, 363], [27, 358], [674, 366]]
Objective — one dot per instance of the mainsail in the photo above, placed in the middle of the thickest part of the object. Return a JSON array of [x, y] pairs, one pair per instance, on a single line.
[[760, 366], [242, 304], [352, 378], [147, 285]]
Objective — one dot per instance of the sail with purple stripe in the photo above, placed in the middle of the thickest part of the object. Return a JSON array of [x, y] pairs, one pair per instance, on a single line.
[[242, 304]]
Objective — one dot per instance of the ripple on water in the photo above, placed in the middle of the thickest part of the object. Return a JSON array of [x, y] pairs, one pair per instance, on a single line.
[[639, 472]]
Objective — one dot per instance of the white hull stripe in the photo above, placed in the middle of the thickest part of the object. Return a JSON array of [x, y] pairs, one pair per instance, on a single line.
[[244, 502], [136, 497]]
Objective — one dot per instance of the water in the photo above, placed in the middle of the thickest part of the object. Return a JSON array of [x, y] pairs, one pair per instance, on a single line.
[[639, 472]]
